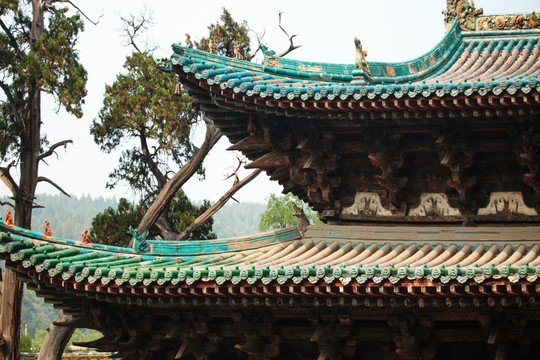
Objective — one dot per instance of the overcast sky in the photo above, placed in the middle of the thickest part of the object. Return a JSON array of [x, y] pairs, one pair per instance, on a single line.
[[391, 31]]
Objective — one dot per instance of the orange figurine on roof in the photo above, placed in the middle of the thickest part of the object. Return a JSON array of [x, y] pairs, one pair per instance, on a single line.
[[47, 233], [85, 239], [9, 219]]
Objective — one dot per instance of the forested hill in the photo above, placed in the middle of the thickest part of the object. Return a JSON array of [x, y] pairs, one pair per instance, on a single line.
[[237, 219], [69, 216]]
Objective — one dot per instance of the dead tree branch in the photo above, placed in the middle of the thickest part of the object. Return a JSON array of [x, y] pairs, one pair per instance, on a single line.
[[218, 205], [12, 103], [12, 39], [235, 171], [291, 42], [168, 191], [134, 26], [83, 13], [2, 203], [259, 41], [52, 149], [8, 180], [47, 180]]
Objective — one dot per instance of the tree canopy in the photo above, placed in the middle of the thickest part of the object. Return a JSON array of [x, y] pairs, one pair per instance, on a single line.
[[111, 226], [224, 37], [37, 54], [142, 109], [146, 114], [35, 58]]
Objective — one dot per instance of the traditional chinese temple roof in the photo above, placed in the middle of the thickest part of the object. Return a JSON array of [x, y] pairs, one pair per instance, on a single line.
[[326, 261], [337, 289], [462, 66], [327, 132], [425, 171]]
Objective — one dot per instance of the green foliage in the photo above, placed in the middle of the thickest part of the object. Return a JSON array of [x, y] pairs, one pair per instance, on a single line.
[[50, 64], [38, 339], [182, 213], [111, 226], [279, 212], [79, 335], [36, 314], [225, 36], [141, 108], [26, 343]]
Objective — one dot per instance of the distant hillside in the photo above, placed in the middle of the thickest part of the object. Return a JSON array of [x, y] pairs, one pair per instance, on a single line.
[[238, 219], [69, 216]]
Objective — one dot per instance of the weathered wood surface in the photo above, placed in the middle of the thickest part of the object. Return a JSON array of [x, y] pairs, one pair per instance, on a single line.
[[56, 339]]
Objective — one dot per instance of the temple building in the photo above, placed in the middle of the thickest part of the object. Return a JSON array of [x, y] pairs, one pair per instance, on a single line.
[[425, 174]]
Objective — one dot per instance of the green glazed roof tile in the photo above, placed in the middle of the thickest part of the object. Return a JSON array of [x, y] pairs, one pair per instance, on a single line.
[[331, 261], [463, 63]]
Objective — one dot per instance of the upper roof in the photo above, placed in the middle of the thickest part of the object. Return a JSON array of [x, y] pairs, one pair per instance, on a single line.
[[464, 62]]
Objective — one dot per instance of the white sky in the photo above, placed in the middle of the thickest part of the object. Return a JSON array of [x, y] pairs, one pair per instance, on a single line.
[[390, 30]]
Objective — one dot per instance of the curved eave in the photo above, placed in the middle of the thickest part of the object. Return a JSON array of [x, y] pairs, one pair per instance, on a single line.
[[327, 261], [469, 67]]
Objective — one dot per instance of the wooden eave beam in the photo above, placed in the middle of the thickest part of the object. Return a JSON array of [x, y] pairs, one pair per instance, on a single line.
[[458, 103], [505, 101], [377, 106], [365, 105], [251, 143], [279, 174], [319, 105], [271, 160], [388, 105], [353, 105], [307, 105], [297, 105]]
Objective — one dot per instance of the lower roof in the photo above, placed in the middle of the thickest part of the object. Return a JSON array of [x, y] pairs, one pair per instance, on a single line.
[[326, 261]]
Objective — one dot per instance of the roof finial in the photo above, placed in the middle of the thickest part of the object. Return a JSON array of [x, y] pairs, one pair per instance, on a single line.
[[188, 41], [211, 46], [47, 233], [303, 221], [237, 53], [360, 62]]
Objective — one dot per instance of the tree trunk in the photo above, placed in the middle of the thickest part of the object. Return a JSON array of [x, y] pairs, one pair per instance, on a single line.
[[56, 339], [12, 289], [184, 174], [215, 208], [10, 316]]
